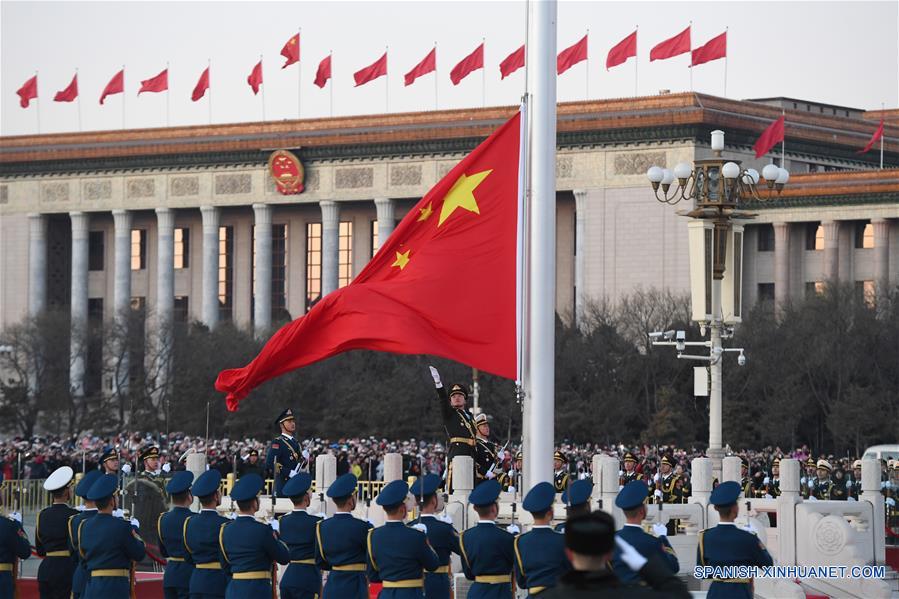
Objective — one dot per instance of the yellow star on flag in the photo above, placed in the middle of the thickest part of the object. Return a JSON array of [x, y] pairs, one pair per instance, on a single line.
[[461, 195], [425, 212], [402, 259]]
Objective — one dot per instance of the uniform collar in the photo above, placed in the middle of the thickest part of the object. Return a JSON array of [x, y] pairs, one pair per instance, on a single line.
[[491, 522], [300, 509], [538, 526], [634, 525], [727, 524], [245, 516], [90, 509], [209, 509], [286, 436], [394, 522]]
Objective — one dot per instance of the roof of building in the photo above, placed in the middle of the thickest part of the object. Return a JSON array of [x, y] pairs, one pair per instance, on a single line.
[[835, 187]]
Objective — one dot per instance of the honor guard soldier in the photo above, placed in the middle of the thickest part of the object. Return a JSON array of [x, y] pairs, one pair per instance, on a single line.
[[14, 546], [302, 579], [51, 535], [823, 487], [170, 528], [632, 501], [772, 483], [666, 491], [341, 543], [854, 482], [398, 554], [442, 536], [807, 482], [540, 552], [251, 464], [108, 545], [251, 548], [79, 577], [458, 422], [485, 451], [728, 545], [284, 454], [630, 470], [109, 462], [201, 539], [560, 472], [488, 551], [576, 499], [745, 479]]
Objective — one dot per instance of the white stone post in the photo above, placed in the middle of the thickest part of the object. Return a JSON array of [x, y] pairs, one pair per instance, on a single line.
[[786, 511], [80, 221], [731, 469], [871, 492], [596, 494], [325, 475], [195, 463], [121, 297], [580, 257], [330, 245], [386, 218], [165, 298], [262, 297], [37, 263], [608, 470], [393, 467], [701, 481], [210, 296]]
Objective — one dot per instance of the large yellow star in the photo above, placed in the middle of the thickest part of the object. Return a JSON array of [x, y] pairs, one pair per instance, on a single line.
[[425, 212], [461, 195], [402, 259]]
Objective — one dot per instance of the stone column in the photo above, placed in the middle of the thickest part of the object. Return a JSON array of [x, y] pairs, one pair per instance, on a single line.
[[262, 297], [580, 232], [386, 219], [608, 476], [330, 241], [881, 253], [210, 297], [701, 481], [37, 263], [325, 475], [871, 492], [80, 221], [730, 469], [831, 250], [121, 299], [781, 262], [393, 467], [165, 298], [786, 511]]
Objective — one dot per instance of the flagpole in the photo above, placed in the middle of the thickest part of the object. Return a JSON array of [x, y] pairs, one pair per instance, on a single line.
[[37, 101], [691, 56], [263, 92], [436, 105], [299, 75], [636, 60], [881, 137], [783, 142], [167, 93], [483, 74], [587, 96], [386, 82], [725, 61], [79, 101], [331, 82], [209, 89], [123, 97]]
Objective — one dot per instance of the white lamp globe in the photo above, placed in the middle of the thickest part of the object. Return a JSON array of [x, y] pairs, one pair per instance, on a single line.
[[655, 174], [717, 140], [783, 175], [730, 170], [667, 177], [754, 175], [770, 172], [682, 170]]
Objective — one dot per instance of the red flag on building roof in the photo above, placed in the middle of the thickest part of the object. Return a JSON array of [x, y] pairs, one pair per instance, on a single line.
[[621, 51], [713, 49], [512, 63], [376, 69], [427, 65], [159, 83], [201, 86], [877, 135], [571, 55], [770, 137], [255, 78], [673, 46], [69, 93], [116, 85], [324, 72], [291, 51], [405, 300], [467, 65], [27, 92]]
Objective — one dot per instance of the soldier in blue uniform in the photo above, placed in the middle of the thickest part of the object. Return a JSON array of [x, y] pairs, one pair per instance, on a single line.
[[14, 546], [442, 536], [302, 579], [341, 544], [54, 575], [728, 545], [576, 499], [487, 551], [249, 546], [540, 552], [285, 457], [399, 554], [108, 545], [170, 528], [201, 539], [79, 577], [632, 501]]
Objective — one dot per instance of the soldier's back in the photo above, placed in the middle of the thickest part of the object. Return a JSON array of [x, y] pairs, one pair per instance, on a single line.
[[51, 539], [302, 579]]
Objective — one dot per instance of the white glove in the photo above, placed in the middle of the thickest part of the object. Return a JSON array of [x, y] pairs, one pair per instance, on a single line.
[[750, 528], [275, 525], [766, 481], [850, 499], [812, 498], [118, 513], [294, 472], [889, 501], [135, 523], [802, 480], [490, 474], [659, 529], [126, 468], [166, 467], [658, 493], [512, 489], [421, 527], [656, 477], [513, 528], [80, 507], [884, 484], [231, 516], [620, 487], [436, 376], [629, 555], [445, 518], [812, 482], [16, 516], [768, 496], [305, 454], [621, 473]]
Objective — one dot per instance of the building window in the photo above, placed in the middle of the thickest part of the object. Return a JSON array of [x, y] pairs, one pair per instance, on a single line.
[[226, 273], [313, 263], [814, 289], [279, 273], [766, 292], [865, 292], [95, 252], [375, 244], [765, 238], [181, 311], [864, 236], [345, 254], [138, 249], [814, 236], [182, 248]]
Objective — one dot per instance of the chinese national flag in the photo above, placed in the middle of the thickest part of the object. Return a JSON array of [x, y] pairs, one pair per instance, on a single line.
[[291, 51], [68, 94], [159, 83], [376, 69], [571, 55], [201, 87], [27, 92], [713, 49], [512, 63], [255, 78], [673, 46], [877, 135], [427, 65], [116, 85], [621, 51], [324, 72], [467, 65], [769, 138], [407, 300]]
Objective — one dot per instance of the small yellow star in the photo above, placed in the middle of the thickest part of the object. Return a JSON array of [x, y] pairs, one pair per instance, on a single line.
[[461, 195], [402, 259], [425, 212]]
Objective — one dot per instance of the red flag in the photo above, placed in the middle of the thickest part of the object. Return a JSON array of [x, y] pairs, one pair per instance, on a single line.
[[291, 51], [472, 62], [324, 72], [116, 85], [713, 49], [406, 300], [769, 138], [673, 46], [376, 69], [201, 86], [159, 83], [512, 63], [571, 55], [427, 65], [255, 78], [69, 93], [621, 51], [877, 135], [27, 92]]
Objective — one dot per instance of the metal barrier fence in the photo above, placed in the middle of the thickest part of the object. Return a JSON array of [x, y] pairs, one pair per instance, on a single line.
[[365, 489], [26, 496]]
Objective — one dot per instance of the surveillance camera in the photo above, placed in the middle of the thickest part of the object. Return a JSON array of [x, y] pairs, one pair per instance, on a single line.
[[741, 359], [681, 343], [656, 335], [669, 335]]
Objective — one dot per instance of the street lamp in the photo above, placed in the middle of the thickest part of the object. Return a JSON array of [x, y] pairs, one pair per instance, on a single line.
[[717, 187]]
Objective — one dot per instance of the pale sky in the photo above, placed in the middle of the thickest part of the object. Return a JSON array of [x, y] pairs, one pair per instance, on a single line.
[[842, 53]]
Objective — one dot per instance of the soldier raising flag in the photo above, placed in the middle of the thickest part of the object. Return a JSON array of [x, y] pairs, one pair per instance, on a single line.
[[461, 430]]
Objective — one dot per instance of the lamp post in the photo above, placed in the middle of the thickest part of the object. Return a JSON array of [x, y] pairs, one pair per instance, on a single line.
[[717, 187]]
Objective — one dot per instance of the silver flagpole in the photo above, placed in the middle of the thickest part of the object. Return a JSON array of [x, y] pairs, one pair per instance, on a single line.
[[881, 137]]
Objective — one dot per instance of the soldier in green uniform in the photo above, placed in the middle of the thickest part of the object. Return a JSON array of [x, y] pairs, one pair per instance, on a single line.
[[807, 482], [560, 472], [629, 472], [666, 490], [458, 422], [854, 481], [823, 487], [485, 451], [151, 472], [890, 490], [745, 479]]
